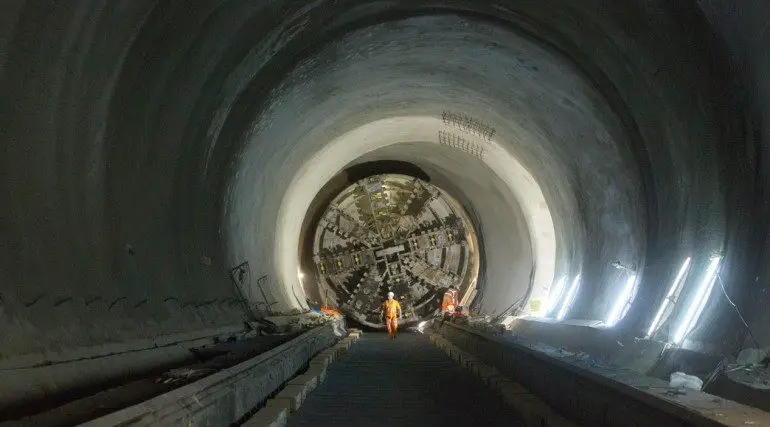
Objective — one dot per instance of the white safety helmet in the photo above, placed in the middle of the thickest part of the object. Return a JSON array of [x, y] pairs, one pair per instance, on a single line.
[[391, 294]]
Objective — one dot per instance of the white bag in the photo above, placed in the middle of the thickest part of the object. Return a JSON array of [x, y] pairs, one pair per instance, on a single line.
[[680, 379]]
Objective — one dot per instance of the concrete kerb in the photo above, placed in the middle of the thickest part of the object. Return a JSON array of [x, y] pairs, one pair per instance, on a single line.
[[319, 371], [506, 386], [535, 412], [532, 409], [440, 341], [322, 359], [476, 367], [499, 382], [466, 359], [454, 353], [488, 374], [290, 398], [309, 381], [327, 356], [342, 347], [270, 416], [229, 395], [331, 354]]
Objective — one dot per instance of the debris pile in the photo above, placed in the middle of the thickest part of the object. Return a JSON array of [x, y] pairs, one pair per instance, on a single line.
[[183, 375], [752, 368]]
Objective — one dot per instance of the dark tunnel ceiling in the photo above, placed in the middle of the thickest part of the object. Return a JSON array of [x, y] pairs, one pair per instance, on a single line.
[[152, 146]]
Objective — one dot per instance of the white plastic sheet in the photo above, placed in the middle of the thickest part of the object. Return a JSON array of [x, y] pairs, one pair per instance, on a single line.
[[682, 380]]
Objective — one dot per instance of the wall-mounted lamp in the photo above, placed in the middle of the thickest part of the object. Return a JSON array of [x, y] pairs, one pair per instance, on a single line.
[[553, 298], [669, 296], [622, 302], [567, 304], [695, 308]]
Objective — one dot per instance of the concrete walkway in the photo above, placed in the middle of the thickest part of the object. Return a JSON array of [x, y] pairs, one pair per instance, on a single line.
[[406, 382]]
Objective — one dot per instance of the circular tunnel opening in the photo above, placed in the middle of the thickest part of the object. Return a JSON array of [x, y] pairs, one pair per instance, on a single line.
[[321, 203], [397, 233]]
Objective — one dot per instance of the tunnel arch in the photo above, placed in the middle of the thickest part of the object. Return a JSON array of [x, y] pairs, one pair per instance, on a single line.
[[420, 129], [130, 123], [617, 132]]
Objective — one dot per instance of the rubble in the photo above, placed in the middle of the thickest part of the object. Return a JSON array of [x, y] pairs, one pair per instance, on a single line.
[[751, 368], [752, 356], [183, 375]]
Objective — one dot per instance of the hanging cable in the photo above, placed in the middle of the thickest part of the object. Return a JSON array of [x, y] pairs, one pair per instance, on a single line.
[[748, 329]]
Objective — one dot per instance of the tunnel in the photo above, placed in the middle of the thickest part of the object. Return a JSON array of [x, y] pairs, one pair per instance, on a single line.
[[173, 170]]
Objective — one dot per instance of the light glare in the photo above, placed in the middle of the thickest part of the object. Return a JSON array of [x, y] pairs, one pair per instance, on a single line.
[[554, 297], [567, 304], [421, 326], [623, 300], [671, 291], [698, 302]]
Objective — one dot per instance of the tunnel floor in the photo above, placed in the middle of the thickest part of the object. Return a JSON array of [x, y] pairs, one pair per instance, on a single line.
[[407, 381]]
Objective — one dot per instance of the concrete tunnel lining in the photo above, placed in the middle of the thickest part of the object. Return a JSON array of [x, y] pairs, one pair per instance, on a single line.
[[423, 131], [129, 121], [313, 91]]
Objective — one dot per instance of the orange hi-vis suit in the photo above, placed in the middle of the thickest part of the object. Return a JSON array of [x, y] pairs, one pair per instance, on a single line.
[[391, 308], [449, 302]]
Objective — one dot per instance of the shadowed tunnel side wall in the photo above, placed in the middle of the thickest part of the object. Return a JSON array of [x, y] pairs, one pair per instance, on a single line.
[[147, 146]]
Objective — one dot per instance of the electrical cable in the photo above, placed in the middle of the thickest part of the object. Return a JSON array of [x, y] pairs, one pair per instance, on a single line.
[[748, 329]]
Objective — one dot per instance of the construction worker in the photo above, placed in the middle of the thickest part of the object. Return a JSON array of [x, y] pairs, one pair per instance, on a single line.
[[391, 312], [450, 301]]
